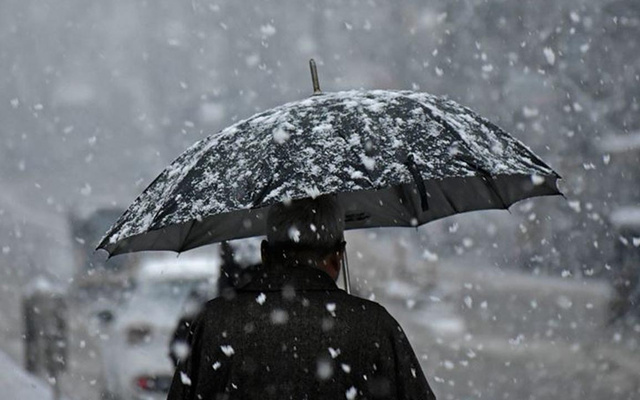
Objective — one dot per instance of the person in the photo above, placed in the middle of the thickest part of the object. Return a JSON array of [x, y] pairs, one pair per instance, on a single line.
[[291, 333]]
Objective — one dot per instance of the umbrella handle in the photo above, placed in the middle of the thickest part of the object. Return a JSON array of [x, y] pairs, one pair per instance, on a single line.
[[345, 272]]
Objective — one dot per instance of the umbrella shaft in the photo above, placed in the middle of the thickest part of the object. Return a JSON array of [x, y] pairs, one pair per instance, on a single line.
[[345, 272]]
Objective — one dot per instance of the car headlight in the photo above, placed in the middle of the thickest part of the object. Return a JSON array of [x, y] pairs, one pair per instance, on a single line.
[[139, 334]]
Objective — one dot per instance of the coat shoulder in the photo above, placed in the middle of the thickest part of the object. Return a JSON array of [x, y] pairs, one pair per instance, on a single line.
[[374, 310], [384, 319], [369, 304], [215, 308]]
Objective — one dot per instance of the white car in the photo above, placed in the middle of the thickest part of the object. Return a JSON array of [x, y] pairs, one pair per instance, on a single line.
[[135, 352]]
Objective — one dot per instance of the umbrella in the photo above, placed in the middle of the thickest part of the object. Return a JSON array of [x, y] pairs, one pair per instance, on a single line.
[[394, 158]]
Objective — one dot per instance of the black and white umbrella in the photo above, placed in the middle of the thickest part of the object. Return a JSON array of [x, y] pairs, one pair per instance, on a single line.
[[394, 158]]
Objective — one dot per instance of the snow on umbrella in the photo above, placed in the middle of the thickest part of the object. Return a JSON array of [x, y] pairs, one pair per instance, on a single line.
[[394, 158]]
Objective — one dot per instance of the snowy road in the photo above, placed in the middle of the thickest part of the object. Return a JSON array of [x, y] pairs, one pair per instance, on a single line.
[[19, 384], [527, 352]]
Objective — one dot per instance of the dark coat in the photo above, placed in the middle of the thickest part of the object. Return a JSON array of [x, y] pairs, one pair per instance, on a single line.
[[291, 333], [232, 275]]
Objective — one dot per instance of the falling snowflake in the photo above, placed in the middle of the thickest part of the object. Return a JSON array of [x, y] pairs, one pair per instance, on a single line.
[[280, 136], [261, 298], [334, 352], [574, 205], [279, 317], [530, 112], [294, 234], [268, 30], [351, 393], [517, 341], [564, 302], [325, 370], [180, 349], [429, 256], [184, 378], [369, 163], [549, 55], [537, 179], [86, 190], [227, 350]]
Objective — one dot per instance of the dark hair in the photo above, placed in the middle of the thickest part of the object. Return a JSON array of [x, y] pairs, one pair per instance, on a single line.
[[305, 229]]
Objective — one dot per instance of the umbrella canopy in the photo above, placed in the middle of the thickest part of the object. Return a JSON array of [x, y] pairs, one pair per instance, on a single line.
[[394, 158]]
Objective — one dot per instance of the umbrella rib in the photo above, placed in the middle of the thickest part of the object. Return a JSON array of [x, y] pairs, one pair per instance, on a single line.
[[263, 192], [365, 171], [184, 241], [417, 178], [486, 177], [485, 174], [440, 121], [446, 197], [532, 156], [492, 185]]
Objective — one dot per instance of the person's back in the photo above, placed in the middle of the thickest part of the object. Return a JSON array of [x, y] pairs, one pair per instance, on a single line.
[[291, 333]]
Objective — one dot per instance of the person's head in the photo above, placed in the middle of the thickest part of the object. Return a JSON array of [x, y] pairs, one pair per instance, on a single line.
[[306, 232]]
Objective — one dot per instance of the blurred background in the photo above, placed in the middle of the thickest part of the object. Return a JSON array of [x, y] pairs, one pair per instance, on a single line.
[[96, 98]]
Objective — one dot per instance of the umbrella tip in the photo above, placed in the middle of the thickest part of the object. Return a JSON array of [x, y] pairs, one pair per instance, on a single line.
[[314, 77]]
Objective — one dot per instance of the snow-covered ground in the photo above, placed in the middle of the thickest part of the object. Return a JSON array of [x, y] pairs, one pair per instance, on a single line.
[[18, 384]]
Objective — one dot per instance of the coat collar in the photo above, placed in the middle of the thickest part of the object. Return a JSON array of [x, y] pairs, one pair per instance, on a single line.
[[272, 278]]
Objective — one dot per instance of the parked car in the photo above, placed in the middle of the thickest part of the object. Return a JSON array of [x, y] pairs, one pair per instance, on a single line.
[[135, 357]]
